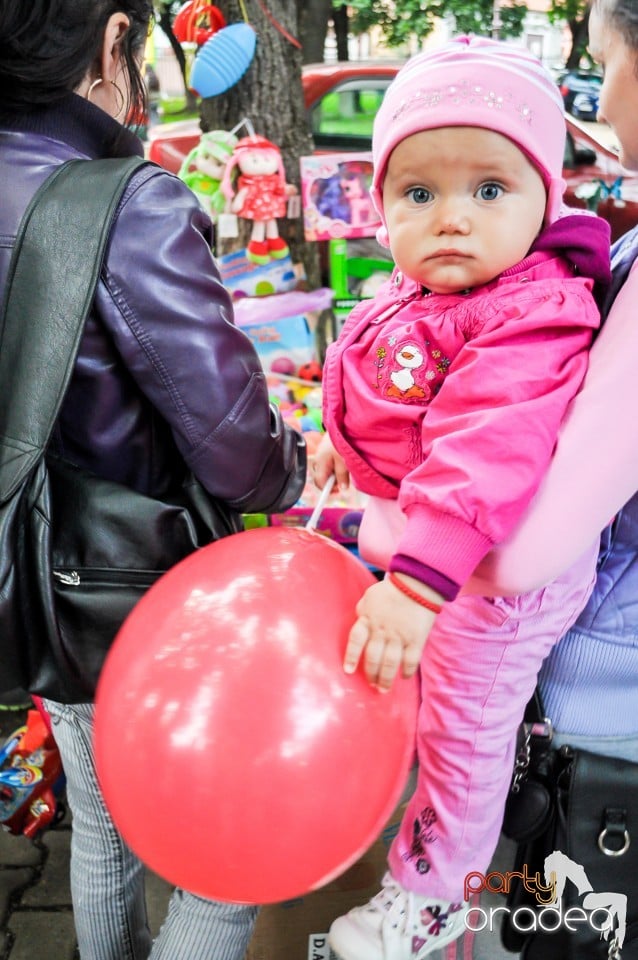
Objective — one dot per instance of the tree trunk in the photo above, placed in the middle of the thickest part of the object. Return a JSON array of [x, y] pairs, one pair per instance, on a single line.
[[270, 96], [313, 16], [340, 22], [579, 30]]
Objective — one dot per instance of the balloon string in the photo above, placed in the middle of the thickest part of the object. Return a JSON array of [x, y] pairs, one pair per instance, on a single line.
[[243, 11], [277, 25], [321, 502]]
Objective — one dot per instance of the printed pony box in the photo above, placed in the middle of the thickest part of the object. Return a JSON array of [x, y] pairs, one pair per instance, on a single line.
[[335, 193]]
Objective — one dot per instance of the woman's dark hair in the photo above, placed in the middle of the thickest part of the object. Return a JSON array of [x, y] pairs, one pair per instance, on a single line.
[[623, 17], [47, 47]]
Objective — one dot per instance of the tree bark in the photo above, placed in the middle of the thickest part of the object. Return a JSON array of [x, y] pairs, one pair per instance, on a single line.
[[313, 16], [270, 96], [579, 30], [340, 23]]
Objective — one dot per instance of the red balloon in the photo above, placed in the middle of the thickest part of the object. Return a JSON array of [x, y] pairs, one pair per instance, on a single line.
[[236, 757]]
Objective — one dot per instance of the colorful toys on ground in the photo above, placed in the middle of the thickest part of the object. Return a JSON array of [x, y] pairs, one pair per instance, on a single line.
[[31, 778]]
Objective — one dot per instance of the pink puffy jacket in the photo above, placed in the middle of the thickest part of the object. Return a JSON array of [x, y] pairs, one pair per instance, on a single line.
[[452, 403]]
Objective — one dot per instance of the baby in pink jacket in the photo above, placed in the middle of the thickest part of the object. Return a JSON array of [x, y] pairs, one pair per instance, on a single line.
[[442, 399]]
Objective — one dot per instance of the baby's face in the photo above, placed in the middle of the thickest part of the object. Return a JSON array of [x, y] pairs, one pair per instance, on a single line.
[[462, 205]]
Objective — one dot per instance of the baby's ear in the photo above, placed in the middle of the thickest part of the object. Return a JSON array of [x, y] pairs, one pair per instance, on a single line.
[[382, 236]]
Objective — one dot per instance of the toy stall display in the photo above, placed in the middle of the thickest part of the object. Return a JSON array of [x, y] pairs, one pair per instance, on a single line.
[[260, 194], [31, 778], [245, 178], [203, 169], [357, 268], [282, 328], [340, 518], [243, 278], [335, 190]]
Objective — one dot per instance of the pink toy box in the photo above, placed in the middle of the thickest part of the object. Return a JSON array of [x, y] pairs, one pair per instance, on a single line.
[[335, 192]]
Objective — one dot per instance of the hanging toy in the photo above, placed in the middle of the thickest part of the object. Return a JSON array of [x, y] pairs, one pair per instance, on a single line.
[[196, 22], [223, 60], [261, 196], [203, 169]]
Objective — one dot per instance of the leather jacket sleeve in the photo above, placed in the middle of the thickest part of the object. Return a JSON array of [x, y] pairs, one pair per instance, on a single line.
[[171, 320]]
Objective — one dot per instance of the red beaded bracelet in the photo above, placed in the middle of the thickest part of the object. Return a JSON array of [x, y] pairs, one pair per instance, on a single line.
[[413, 595]]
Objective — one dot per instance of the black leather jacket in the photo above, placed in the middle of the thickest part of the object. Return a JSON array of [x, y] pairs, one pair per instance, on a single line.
[[163, 375]]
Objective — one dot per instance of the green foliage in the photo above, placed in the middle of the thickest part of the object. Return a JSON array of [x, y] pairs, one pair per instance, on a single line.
[[569, 10], [398, 21], [512, 18], [402, 20], [576, 14]]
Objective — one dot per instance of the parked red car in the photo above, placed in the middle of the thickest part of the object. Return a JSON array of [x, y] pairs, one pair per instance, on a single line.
[[342, 99]]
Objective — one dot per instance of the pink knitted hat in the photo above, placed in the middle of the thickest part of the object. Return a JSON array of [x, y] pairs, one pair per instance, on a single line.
[[475, 82]]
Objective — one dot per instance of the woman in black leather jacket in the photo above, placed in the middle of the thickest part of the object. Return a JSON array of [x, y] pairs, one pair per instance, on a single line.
[[164, 381]]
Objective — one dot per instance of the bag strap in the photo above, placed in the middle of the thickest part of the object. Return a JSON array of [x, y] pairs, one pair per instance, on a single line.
[[53, 274], [535, 711]]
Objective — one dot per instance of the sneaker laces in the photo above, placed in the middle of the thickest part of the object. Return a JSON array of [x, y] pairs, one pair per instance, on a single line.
[[404, 911], [394, 905]]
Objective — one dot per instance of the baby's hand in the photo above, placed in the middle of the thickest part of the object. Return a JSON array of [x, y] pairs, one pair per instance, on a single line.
[[390, 633], [327, 461]]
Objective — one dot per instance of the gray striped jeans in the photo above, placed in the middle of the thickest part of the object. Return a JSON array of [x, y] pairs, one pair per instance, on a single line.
[[107, 879]]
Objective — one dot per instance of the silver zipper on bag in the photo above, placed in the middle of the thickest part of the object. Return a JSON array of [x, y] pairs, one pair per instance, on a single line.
[[71, 579]]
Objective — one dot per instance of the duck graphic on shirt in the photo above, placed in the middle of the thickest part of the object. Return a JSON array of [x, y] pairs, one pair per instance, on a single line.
[[408, 358]]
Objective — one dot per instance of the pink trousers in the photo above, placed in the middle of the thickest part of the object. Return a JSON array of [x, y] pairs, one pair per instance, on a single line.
[[478, 672]]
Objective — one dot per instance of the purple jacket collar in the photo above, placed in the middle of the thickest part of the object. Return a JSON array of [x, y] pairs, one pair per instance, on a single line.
[[80, 124]]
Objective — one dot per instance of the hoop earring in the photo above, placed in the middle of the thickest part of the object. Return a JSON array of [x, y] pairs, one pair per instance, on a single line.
[[95, 84], [118, 93]]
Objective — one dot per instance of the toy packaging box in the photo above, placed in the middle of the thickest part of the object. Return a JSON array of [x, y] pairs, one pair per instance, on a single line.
[[297, 929], [246, 279], [282, 327], [283, 345], [335, 194], [357, 269]]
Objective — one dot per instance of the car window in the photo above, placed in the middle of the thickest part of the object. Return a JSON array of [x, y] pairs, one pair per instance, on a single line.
[[343, 118]]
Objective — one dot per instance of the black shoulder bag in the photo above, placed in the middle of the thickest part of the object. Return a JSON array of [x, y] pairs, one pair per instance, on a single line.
[[584, 807], [76, 551]]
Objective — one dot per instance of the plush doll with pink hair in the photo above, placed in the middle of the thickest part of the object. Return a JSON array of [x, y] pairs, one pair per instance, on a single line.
[[261, 195]]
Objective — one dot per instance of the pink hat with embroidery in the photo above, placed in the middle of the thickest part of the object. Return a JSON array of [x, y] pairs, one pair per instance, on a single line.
[[475, 82]]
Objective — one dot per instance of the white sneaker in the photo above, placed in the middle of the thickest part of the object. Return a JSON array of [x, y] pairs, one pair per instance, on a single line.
[[397, 925]]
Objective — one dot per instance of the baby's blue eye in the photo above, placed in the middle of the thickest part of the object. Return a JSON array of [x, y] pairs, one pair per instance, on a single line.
[[419, 194], [490, 191]]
